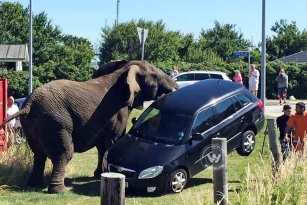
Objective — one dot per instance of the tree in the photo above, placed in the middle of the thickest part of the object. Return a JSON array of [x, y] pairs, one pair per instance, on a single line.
[[224, 40], [286, 41], [55, 55], [122, 42], [72, 57]]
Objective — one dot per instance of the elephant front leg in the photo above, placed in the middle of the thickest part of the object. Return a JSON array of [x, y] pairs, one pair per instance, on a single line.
[[101, 151], [102, 148]]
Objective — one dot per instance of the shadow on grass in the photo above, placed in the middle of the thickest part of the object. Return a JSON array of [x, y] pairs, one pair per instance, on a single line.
[[89, 186]]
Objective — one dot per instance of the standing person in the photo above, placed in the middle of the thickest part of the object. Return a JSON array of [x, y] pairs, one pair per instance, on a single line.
[[253, 80], [281, 122], [174, 71], [11, 110], [299, 122], [282, 79], [238, 77]]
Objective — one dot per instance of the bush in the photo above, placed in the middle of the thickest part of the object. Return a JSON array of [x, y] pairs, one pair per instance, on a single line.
[[297, 74]]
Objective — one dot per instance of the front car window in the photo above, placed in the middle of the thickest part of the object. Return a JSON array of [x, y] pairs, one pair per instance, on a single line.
[[203, 121], [161, 126], [185, 77]]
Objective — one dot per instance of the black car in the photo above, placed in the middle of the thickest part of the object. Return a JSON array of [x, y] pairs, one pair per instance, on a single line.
[[171, 140]]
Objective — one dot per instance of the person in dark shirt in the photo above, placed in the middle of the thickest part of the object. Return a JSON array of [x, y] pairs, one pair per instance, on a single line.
[[281, 122]]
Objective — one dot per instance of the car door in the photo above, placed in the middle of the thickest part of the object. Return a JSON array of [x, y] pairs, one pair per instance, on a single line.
[[229, 121], [185, 79], [196, 157]]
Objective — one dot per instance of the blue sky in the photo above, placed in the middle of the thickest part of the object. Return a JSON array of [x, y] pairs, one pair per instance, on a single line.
[[86, 18]]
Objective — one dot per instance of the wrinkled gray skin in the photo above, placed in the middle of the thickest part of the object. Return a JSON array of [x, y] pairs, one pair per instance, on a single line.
[[63, 117]]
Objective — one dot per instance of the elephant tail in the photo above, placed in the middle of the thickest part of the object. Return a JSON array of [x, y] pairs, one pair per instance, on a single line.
[[6, 120]]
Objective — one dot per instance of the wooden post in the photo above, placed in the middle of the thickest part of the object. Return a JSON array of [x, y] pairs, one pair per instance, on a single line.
[[112, 189], [219, 158], [274, 145]]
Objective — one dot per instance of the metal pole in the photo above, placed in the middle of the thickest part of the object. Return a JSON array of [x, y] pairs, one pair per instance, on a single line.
[[30, 51], [249, 62], [263, 57], [142, 44], [117, 13]]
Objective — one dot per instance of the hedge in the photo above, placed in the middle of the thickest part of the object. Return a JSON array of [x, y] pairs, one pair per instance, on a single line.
[[297, 75]]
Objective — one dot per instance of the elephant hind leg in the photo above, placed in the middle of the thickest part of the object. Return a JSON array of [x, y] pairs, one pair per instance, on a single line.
[[36, 177], [60, 161]]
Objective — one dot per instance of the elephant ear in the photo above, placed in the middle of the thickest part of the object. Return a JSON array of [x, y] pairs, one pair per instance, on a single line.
[[133, 80], [109, 68]]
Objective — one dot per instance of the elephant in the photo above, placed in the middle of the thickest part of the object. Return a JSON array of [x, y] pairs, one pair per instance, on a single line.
[[63, 116]]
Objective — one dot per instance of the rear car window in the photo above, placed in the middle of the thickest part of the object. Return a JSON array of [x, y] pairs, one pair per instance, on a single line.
[[185, 77], [224, 109], [216, 76], [236, 103], [244, 100], [202, 76]]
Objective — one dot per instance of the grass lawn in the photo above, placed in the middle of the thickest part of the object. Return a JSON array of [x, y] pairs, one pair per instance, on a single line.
[[84, 189]]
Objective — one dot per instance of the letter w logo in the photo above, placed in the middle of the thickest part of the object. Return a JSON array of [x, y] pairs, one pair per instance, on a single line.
[[215, 158]]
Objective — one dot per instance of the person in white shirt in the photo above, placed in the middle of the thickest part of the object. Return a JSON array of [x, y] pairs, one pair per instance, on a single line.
[[174, 71], [253, 80], [11, 110]]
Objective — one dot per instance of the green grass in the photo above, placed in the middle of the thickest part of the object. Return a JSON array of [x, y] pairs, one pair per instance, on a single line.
[[84, 189]]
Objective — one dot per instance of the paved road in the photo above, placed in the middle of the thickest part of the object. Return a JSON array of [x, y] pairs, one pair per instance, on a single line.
[[272, 107]]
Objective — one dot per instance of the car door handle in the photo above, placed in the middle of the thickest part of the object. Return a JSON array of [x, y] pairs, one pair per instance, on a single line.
[[218, 134], [241, 119]]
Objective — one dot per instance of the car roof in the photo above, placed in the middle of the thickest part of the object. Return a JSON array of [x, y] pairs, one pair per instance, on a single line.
[[203, 71], [188, 100], [19, 100]]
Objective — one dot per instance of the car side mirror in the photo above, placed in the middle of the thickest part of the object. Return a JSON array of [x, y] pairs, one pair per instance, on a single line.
[[197, 137], [175, 79], [133, 120]]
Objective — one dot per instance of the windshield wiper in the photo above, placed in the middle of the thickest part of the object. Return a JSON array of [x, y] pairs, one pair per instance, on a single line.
[[141, 135]]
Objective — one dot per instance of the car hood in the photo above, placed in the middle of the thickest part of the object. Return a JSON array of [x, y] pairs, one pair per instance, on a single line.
[[138, 154]]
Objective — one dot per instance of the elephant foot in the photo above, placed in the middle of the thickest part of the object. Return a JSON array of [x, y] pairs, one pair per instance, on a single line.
[[97, 173], [56, 189]]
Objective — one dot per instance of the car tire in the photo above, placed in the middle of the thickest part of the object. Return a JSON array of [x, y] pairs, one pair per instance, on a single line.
[[247, 144], [177, 181]]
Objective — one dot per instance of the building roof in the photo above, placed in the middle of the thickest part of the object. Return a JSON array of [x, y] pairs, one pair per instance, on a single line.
[[13, 53], [300, 58]]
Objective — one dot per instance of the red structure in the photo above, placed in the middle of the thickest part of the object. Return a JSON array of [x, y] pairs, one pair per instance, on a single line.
[[3, 114]]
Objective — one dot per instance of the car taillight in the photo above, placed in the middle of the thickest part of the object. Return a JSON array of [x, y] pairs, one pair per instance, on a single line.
[[260, 104]]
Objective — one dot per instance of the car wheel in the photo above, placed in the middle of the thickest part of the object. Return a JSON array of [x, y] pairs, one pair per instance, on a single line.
[[247, 144], [177, 181]]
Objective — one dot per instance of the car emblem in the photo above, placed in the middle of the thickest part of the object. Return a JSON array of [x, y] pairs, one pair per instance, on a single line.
[[119, 169]]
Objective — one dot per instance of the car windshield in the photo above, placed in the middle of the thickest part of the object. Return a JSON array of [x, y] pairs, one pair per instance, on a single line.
[[161, 126]]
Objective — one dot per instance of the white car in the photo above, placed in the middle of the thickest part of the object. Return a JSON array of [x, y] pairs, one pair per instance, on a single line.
[[191, 77]]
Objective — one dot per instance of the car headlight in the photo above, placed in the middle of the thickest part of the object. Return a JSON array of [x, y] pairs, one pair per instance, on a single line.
[[105, 161], [150, 172]]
